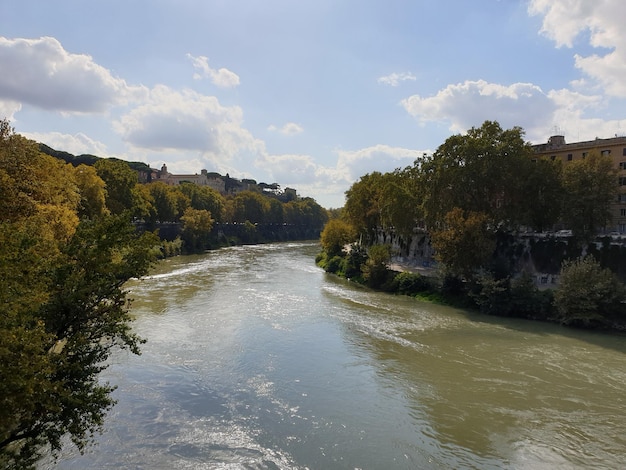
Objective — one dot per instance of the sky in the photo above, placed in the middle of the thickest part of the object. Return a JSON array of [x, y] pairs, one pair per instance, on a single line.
[[309, 94]]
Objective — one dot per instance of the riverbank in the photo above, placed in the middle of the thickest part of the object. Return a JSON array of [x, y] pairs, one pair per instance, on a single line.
[[518, 297]]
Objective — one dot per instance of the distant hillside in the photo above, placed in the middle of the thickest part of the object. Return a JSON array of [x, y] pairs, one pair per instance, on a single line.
[[85, 159]]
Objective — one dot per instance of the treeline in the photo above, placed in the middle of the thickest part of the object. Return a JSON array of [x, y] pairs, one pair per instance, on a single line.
[[472, 192], [114, 188]]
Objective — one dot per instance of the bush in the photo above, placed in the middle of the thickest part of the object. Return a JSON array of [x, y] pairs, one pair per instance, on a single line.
[[411, 283], [334, 264], [588, 295], [375, 270]]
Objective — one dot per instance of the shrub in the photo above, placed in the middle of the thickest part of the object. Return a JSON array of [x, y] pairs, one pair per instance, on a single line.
[[588, 295], [334, 264], [411, 283]]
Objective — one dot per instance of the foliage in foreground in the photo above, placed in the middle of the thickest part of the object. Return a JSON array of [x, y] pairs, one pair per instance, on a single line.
[[63, 263]]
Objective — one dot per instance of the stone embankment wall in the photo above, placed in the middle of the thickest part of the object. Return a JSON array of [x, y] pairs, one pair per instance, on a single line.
[[538, 254]]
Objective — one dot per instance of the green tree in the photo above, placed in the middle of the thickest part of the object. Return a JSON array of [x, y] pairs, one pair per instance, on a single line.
[[120, 180], [204, 198], [335, 236], [250, 206], [590, 188], [308, 212], [400, 202], [587, 294], [197, 226], [465, 244], [51, 354], [92, 191], [143, 203], [276, 212], [166, 201], [63, 307], [376, 268], [543, 191], [482, 171], [363, 207]]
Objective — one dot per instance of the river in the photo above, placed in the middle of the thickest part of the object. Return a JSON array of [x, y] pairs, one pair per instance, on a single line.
[[257, 359]]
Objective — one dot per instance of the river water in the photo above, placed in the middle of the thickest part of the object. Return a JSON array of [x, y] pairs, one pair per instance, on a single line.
[[257, 359]]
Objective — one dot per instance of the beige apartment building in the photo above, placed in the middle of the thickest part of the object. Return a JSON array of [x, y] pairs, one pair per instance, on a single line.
[[615, 147]]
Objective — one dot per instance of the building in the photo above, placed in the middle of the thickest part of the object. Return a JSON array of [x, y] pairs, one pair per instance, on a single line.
[[212, 180], [557, 149]]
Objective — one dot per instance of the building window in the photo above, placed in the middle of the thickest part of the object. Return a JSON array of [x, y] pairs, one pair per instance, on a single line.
[[570, 157], [622, 212], [605, 152], [621, 198], [622, 180], [585, 154], [552, 157], [624, 152], [622, 165]]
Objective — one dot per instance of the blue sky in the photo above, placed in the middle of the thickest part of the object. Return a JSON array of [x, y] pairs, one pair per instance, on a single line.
[[307, 94]]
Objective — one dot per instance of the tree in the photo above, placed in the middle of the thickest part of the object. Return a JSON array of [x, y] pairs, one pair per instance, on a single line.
[[56, 338], [120, 180], [400, 202], [276, 212], [197, 226], [92, 191], [465, 243], [335, 236], [204, 198], [143, 203], [62, 303], [363, 207], [166, 201], [250, 206], [543, 190], [376, 268], [588, 295], [590, 188], [483, 171], [309, 213]]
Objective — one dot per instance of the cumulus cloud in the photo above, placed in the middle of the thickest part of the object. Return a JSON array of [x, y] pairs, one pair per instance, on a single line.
[[188, 121], [394, 79], [8, 109], [289, 169], [470, 103], [352, 164], [219, 77], [291, 128], [45, 75], [76, 144], [565, 20]]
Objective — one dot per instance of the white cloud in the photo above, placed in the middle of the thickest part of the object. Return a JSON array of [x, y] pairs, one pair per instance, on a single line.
[[222, 78], [352, 164], [45, 75], [76, 144], [291, 128], [471, 103], [565, 20], [289, 169], [188, 121], [394, 79], [8, 109]]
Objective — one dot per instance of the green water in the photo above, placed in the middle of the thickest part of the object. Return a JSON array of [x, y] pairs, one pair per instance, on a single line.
[[256, 359]]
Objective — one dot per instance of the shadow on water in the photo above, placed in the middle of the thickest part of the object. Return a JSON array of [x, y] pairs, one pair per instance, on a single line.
[[534, 394]]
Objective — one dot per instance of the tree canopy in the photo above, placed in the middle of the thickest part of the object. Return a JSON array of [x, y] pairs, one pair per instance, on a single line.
[[63, 263]]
